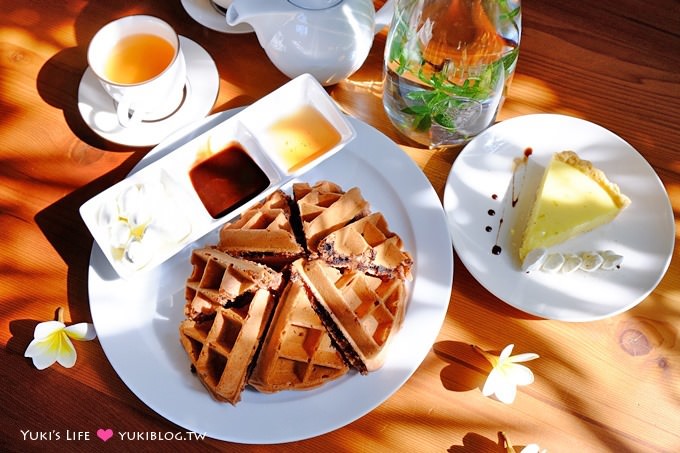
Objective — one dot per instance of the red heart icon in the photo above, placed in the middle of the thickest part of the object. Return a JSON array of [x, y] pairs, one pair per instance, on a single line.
[[105, 434]]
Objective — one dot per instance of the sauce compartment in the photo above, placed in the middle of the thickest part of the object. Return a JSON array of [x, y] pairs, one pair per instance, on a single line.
[[227, 179], [307, 128]]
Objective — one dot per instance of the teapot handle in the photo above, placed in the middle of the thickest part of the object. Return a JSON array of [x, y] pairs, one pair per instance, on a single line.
[[383, 17]]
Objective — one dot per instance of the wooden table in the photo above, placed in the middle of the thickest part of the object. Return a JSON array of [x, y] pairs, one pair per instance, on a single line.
[[609, 385]]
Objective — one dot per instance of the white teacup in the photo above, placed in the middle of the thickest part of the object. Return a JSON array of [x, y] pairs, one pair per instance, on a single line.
[[139, 62]]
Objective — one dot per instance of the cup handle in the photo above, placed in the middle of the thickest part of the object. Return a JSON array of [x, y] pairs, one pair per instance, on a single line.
[[127, 117]]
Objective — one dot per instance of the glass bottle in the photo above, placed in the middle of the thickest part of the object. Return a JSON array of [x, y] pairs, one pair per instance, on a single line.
[[448, 65]]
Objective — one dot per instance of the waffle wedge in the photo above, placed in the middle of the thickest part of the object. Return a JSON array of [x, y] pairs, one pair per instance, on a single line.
[[263, 233], [361, 312], [218, 279], [325, 207], [297, 353], [369, 246], [221, 348]]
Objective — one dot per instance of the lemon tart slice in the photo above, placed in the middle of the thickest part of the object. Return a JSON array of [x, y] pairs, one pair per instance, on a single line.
[[574, 197]]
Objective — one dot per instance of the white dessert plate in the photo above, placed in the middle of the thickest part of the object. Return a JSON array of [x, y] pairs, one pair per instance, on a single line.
[[203, 83], [487, 204], [203, 12], [137, 319]]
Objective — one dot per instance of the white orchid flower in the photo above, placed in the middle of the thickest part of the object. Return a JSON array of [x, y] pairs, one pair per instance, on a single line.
[[507, 373], [52, 342]]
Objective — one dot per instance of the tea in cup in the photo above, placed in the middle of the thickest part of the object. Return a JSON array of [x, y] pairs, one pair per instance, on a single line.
[[139, 63]]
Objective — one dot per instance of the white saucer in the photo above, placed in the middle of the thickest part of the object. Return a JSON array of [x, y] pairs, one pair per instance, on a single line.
[[203, 12], [99, 113]]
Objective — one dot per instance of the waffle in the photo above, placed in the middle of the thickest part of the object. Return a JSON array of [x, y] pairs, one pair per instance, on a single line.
[[263, 233], [221, 348], [296, 353], [325, 208], [295, 293], [360, 312], [367, 245], [218, 279]]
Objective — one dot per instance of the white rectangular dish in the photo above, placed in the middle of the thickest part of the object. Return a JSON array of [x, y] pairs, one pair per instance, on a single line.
[[152, 214]]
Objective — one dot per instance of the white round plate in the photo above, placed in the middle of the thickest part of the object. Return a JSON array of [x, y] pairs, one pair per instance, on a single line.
[[203, 12], [137, 319], [482, 183], [203, 83]]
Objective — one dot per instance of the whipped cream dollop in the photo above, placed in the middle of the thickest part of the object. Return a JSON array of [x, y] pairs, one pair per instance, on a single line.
[[141, 220], [540, 259]]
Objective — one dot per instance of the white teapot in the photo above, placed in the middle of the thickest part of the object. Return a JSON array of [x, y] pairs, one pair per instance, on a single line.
[[329, 39]]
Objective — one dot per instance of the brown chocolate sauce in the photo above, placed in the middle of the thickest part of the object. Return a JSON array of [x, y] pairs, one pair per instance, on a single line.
[[227, 179], [516, 186], [496, 249]]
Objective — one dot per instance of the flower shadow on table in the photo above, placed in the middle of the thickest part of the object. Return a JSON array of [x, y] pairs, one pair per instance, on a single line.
[[22, 334], [476, 443], [473, 442], [466, 369]]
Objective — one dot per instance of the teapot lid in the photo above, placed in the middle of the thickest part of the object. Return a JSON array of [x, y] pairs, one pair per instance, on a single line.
[[315, 4]]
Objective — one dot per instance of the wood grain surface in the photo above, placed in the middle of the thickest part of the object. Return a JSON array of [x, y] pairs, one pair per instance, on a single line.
[[610, 385]]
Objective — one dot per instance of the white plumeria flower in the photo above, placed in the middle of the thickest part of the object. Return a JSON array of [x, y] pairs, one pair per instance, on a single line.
[[52, 342], [507, 374]]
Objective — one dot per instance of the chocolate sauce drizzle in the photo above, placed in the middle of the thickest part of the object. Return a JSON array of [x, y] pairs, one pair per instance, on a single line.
[[515, 191]]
